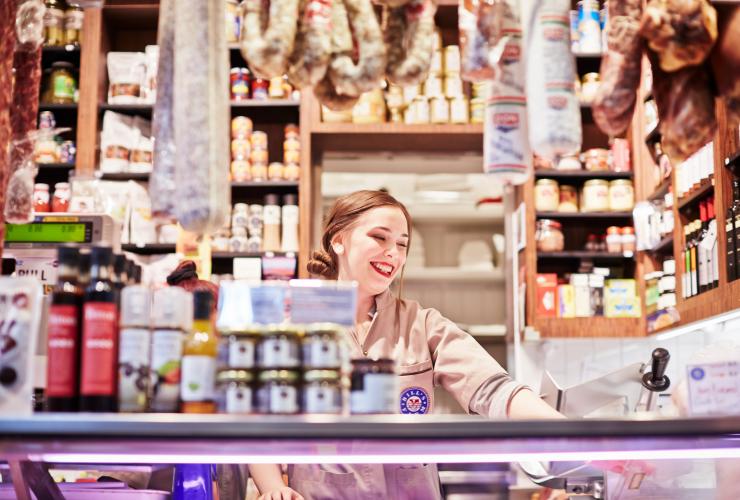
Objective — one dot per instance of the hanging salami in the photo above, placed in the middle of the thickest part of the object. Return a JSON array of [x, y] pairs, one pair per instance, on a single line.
[[348, 77], [7, 47], [554, 112], [201, 116], [480, 25], [614, 103], [506, 151], [409, 41], [268, 37], [685, 109], [725, 60], [310, 58], [162, 189], [680, 32]]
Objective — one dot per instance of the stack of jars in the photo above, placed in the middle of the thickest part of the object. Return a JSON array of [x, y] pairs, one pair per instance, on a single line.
[[249, 154], [282, 369], [245, 87], [62, 23], [44, 202], [597, 195]]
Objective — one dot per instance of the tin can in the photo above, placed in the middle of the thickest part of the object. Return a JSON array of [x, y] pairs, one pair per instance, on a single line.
[[259, 139], [453, 86], [452, 59], [459, 110], [410, 93], [439, 110], [258, 156], [240, 149], [239, 78], [292, 156], [260, 89], [477, 110], [589, 26], [240, 171], [418, 110], [241, 127], [67, 152], [437, 66], [291, 144], [275, 171], [276, 89], [433, 86]]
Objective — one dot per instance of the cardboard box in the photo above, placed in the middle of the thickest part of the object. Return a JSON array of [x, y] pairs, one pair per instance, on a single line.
[[566, 301], [547, 295], [620, 299]]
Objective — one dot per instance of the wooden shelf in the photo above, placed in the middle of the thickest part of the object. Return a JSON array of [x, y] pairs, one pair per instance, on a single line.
[[265, 184], [56, 49], [588, 55], [580, 174], [597, 326], [55, 166], [661, 190], [149, 248], [452, 274], [653, 135], [125, 176], [234, 255], [733, 161], [584, 215], [582, 254], [665, 246], [464, 214], [269, 103], [397, 128], [695, 195], [57, 107]]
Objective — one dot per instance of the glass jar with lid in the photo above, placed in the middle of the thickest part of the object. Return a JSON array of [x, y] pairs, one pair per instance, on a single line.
[[62, 83], [41, 198], [589, 87], [595, 196], [546, 195], [278, 392], [628, 240], [621, 195], [279, 347], [549, 236], [73, 20], [234, 391], [62, 195], [568, 199], [238, 349], [596, 159], [613, 240], [322, 392], [374, 386], [54, 22], [322, 346]]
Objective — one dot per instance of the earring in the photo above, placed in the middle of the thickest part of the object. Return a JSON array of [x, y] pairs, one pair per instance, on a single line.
[[339, 249]]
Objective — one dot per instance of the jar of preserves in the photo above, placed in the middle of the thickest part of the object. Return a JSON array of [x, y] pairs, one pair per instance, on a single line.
[[73, 19], [292, 172], [240, 171], [240, 149], [549, 236], [322, 346], [439, 110], [621, 195], [629, 240], [278, 392], [568, 199], [595, 196], [238, 349], [275, 171], [589, 87], [459, 110], [613, 240], [41, 199], [596, 159], [62, 83], [239, 78], [374, 387], [241, 127], [54, 23], [322, 392], [280, 347], [258, 139], [62, 194], [260, 89], [234, 391], [546, 195]]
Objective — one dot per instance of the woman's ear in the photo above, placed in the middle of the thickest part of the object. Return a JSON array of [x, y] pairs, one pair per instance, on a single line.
[[337, 246]]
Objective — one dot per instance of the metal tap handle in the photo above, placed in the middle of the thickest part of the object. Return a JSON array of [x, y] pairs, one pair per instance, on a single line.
[[656, 380]]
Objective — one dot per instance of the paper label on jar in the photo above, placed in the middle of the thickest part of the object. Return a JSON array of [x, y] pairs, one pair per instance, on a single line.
[[238, 399], [198, 376], [278, 353], [133, 368], [377, 395], [283, 399], [322, 399], [166, 356], [241, 354], [321, 353]]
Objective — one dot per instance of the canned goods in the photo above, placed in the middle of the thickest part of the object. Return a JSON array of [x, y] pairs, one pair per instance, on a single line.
[[322, 392], [234, 391], [459, 110], [410, 93], [275, 171], [291, 144], [453, 86], [322, 347], [278, 392], [433, 86], [241, 127], [258, 156], [239, 84], [279, 348], [291, 171], [260, 89], [418, 111], [439, 110], [276, 89], [292, 131], [452, 59], [437, 66], [259, 172], [477, 110], [291, 156], [240, 149], [240, 170], [259, 140]]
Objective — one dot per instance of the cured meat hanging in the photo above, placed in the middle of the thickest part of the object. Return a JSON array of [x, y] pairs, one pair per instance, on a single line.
[[480, 25], [201, 116], [409, 41], [268, 37], [310, 58], [7, 46]]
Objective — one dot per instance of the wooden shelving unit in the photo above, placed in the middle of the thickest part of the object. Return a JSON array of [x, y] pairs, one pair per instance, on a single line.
[[660, 191], [583, 255], [584, 216], [578, 175], [695, 195]]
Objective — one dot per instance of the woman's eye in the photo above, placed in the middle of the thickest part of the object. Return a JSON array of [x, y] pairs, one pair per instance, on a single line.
[[379, 238], [403, 245]]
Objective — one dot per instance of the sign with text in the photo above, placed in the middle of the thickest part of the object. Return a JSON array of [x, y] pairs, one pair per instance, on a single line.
[[315, 301], [714, 388]]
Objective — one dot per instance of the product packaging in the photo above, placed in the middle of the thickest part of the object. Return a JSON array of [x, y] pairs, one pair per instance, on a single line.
[[620, 299], [20, 316], [126, 74], [547, 295]]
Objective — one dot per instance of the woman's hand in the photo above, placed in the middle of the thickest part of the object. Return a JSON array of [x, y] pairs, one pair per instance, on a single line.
[[284, 493]]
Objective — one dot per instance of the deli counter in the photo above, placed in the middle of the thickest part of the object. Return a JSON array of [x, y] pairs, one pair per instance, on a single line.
[[678, 458]]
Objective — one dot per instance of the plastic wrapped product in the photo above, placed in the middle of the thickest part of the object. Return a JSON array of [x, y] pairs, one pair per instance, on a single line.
[[554, 112], [614, 102], [348, 77], [480, 24], [685, 109], [681, 32], [162, 180], [409, 41], [201, 116], [310, 58], [268, 37]]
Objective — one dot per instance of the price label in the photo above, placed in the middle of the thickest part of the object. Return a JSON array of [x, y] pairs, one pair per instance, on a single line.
[[314, 301], [714, 388]]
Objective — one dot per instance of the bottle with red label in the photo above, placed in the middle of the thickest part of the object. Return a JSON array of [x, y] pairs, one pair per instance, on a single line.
[[63, 343], [98, 374]]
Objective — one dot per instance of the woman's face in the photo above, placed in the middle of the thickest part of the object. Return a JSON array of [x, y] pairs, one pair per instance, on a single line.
[[374, 249]]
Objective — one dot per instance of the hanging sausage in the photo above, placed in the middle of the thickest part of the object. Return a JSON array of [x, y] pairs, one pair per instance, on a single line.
[[7, 46], [201, 116], [409, 41], [310, 58], [480, 25], [554, 112], [614, 103], [268, 36]]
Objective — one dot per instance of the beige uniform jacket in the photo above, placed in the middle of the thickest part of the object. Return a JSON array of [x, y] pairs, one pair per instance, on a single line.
[[429, 351]]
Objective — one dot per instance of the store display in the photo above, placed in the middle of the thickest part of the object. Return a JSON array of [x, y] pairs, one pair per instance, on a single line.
[[234, 392], [614, 103], [202, 159], [64, 335], [409, 39], [695, 171], [199, 354], [732, 233], [99, 363], [268, 40], [134, 349], [309, 60]]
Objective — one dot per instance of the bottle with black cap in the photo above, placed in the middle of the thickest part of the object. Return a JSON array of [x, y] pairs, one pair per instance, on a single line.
[[64, 330], [83, 267], [200, 350], [98, 376], [119, 276], [130, 272]]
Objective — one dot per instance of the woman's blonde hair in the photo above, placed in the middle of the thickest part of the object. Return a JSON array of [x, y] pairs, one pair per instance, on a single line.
[[342, 216]]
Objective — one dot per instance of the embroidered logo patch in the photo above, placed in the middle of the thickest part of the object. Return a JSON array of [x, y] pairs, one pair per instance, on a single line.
[[414, 401]]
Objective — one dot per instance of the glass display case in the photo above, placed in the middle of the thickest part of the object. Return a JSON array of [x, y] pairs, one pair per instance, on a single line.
[[636, 457]]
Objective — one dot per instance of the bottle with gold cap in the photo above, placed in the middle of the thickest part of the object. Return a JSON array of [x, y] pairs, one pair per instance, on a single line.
[[200, 352]]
